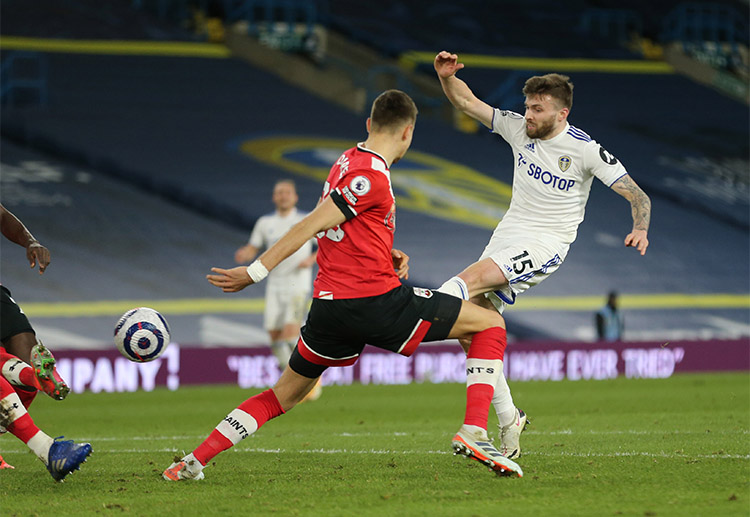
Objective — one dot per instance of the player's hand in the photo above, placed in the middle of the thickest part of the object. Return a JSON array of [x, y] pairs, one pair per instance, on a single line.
[[446, 64], [230, 280], [400, 263], [38, 254], [637, 239]]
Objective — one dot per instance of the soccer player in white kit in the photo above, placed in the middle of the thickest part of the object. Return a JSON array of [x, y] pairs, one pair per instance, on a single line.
[[289, 287], [555, 164]]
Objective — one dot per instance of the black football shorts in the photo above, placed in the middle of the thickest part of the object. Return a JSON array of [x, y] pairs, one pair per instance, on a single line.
[[12, 319], [336, 331]]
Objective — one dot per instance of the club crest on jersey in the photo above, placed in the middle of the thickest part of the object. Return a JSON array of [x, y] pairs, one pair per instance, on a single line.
[[360, 185], [564, 162], [424, 293]]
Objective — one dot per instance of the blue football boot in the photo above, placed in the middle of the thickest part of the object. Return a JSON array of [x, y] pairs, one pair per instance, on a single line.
[[65, 457]]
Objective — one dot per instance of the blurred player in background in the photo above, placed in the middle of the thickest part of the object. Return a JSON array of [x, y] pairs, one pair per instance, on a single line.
[[289, 286], [554, 165], [358, 297]]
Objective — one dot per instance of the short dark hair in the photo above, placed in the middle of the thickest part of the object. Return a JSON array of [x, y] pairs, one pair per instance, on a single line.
[[392, 108], [557, 86]]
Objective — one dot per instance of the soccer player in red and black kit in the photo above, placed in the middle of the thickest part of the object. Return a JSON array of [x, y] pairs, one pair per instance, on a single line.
[[358, 298], [19, 381]]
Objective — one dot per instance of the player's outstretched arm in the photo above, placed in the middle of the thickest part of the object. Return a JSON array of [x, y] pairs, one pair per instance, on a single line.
[[326, 215], [14, 230], [640, 205], [458, 92]]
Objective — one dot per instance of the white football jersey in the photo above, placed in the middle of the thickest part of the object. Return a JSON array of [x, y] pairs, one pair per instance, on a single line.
[[551, 179], [269, 229]]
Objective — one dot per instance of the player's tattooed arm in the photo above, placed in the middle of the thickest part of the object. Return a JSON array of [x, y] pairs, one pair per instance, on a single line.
[[640, 205]]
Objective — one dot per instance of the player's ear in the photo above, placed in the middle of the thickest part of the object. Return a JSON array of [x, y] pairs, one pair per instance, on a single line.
[[562, 114], [368, 124], [408, 132]]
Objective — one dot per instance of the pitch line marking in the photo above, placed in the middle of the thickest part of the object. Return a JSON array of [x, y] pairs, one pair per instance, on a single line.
[[564, 432], [240, 450]]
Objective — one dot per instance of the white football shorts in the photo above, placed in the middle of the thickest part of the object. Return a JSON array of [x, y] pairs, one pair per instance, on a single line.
[[525, 262], [284, 306]]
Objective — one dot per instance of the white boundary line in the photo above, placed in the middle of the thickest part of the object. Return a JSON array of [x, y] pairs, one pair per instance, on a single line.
[[528, 432], [239, 450]]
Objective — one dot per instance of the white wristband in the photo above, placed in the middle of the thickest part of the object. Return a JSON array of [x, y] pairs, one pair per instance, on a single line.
[[257, 271]]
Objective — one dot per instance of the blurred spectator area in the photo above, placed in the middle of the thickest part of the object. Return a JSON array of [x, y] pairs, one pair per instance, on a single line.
[[707, 41]]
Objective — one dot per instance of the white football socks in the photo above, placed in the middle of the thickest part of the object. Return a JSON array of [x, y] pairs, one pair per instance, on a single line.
[[503, 401], [40, 444]]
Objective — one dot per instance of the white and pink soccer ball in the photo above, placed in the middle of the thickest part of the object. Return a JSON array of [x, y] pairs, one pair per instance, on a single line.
[[142, 334]]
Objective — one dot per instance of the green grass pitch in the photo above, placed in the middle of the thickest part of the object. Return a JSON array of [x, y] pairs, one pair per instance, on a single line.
[[678, 446]]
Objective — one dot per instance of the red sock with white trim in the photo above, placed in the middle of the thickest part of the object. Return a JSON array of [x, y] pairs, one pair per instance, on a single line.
[[18, 422], [239, 424], [483, 366], [17, 372]]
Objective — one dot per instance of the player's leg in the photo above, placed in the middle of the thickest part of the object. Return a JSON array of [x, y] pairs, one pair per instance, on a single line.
[[295, 382], [16, 333], [243, 421], [484, 368], [296, 309], [406, 317], [60, 457], [24, 377], [511, 420], [19, 339], [480, 277], [273, 320]]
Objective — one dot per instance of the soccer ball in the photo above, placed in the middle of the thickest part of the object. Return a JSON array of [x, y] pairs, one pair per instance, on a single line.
[[142, 334]]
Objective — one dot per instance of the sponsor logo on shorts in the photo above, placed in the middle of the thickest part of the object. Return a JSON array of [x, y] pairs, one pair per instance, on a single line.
[[424, 293], [360, 185]]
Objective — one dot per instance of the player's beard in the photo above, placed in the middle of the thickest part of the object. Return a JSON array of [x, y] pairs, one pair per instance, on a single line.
[[541, 129]]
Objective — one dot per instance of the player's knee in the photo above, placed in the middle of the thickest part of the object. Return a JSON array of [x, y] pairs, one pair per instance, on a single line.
[[456, 287], [20, 345], [494, 319], [484, 275]]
